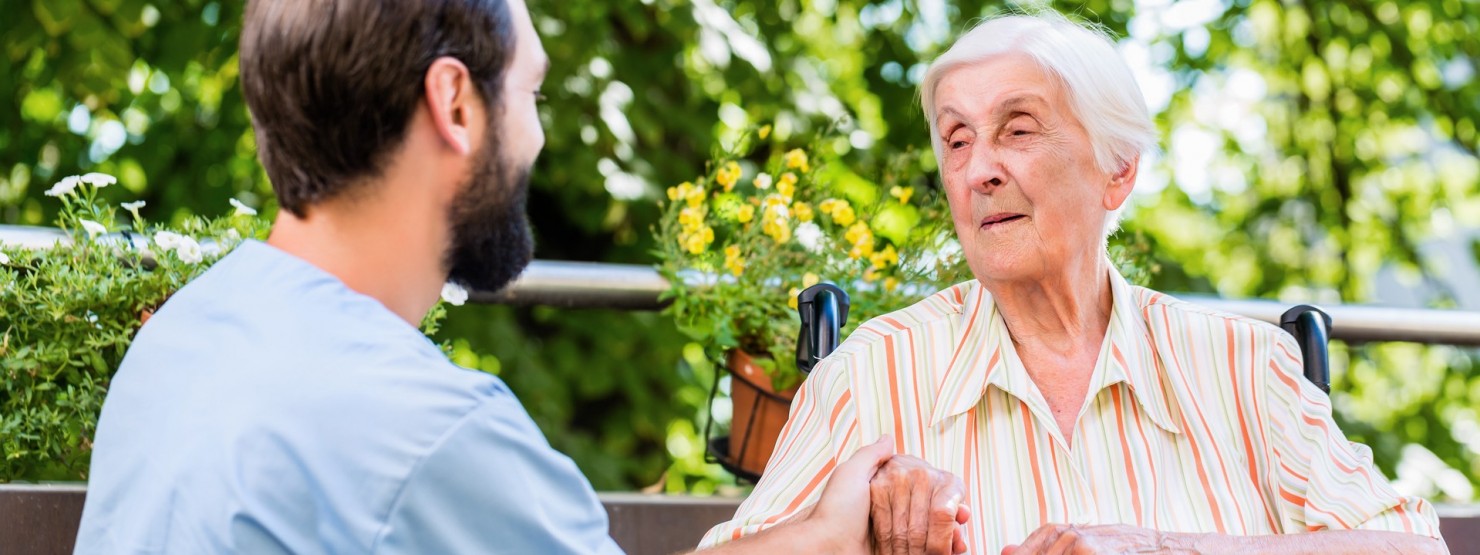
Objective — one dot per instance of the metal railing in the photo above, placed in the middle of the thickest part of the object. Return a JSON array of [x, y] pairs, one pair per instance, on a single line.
[[637, 287]]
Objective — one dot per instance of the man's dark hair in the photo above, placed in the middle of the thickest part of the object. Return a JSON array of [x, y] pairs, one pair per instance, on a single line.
[[332, 84]]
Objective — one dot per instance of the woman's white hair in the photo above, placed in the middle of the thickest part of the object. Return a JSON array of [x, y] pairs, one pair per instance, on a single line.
[[1101, 89]]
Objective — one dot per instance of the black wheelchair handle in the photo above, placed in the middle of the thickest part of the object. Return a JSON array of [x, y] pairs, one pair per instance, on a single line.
[[1312, 330], [824, 311]]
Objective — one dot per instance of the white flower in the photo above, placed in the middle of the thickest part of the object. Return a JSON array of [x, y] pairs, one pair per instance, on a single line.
[[189, 251], [4, 259], [242, 209], [168, 240], [233, 235], [454, 294], [99, 180], [64, 186], [762, 181], [132, 206], [93, 228], [810, 236]]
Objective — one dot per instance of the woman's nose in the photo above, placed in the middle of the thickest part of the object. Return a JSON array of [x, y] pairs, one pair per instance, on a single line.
[[984, 171]]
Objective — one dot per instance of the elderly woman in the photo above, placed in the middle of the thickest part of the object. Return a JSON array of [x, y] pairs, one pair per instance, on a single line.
[[1083, 414]]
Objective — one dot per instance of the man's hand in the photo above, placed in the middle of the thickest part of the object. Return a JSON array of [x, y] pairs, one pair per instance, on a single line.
[[1066, 539], [840, 516], [917, 509]]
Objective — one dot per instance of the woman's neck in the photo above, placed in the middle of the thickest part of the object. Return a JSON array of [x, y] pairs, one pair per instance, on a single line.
[[1064, 312]]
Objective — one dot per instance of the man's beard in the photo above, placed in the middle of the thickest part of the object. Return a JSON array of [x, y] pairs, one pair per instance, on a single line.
[[491, 241]]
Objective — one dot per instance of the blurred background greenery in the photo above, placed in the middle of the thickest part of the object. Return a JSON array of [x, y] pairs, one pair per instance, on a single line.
[[1313, 151]]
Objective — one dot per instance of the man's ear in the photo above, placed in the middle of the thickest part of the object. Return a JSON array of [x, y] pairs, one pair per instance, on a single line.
[[452, 101], [1121, 184]]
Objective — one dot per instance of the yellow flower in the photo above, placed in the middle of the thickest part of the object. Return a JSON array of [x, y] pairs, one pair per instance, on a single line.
[[792, 301], [775, 203], [788, 178], [786, 190], [728, 175], [884, 258], [902, 193], [745, 214], [694, 243], [690, 218], [891, 283], [787, 185], [764, 132], [803, 211], [843, 215], [694, 196], [862, 240], [796, 159], [776, 227], [690, 193], [698, 240], [858, 232], [809, 279], [733, 262], [871, 275]]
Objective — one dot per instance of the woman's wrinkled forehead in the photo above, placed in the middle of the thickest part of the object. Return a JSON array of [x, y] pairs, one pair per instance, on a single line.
[[996, 87]]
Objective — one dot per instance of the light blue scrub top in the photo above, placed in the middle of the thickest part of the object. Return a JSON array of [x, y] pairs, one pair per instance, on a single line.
[[267, 408]]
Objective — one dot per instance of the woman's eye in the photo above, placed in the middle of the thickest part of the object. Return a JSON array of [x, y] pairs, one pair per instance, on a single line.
[[957, 144]]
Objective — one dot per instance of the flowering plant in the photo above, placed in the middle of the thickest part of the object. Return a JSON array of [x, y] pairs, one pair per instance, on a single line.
[[766, 221], [69, 311]]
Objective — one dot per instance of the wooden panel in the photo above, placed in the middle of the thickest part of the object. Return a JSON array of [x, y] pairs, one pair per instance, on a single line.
[[39, 520], [663, 524], [42, 520]]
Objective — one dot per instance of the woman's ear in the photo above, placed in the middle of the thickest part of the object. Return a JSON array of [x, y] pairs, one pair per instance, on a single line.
[[451, 99], [1121, 183]]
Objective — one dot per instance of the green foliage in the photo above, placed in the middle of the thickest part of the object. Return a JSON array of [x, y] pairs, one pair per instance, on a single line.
[[1346, 140], [68, 313]]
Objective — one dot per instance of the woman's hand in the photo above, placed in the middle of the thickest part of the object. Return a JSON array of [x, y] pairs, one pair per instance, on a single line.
[[917, 508]]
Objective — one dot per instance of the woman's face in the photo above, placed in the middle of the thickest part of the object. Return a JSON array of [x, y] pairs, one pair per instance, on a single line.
[[1025, 192]]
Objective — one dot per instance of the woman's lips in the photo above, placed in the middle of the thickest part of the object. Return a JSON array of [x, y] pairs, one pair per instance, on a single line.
[[998, 220]]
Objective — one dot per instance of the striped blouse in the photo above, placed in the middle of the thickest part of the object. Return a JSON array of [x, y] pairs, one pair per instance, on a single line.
[[1196, 421]]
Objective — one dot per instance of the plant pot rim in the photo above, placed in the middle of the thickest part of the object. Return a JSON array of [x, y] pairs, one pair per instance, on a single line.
[[739, 356]]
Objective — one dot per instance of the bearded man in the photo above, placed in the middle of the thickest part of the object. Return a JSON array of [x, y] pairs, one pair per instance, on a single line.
[[285, 402]]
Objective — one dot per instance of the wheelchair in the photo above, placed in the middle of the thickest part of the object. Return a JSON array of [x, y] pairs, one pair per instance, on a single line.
[[824, 311]]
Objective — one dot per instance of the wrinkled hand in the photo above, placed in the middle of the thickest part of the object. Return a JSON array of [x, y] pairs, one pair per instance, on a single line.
[[1066, 539], [841, 514], [917, 509]]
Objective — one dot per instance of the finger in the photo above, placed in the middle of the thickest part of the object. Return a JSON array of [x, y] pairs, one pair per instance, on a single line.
[[963, 514], [958, 541], [1040, 539], [900, 501], [921, 514], [944, 506], [1066, 543], [1010, 549], [881, 512], [867, 460]]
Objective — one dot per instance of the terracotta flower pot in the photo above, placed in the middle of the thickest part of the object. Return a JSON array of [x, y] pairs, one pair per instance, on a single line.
[[759, 413]]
